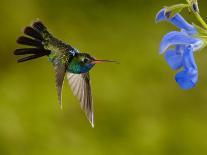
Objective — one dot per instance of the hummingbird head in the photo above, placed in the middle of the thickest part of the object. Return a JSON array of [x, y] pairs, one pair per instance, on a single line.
[[83, 62]]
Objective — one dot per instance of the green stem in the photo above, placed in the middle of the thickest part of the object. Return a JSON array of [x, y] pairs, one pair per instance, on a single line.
[[200, 19], [198, 16]]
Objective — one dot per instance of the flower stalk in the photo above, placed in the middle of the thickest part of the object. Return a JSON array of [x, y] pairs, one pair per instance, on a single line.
[[200, 19], [195, 9]]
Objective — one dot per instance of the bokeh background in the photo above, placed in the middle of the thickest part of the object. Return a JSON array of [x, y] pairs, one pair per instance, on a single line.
[[139, 109]]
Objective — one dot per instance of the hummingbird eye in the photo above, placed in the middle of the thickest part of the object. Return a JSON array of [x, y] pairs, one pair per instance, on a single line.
[[85, 60]]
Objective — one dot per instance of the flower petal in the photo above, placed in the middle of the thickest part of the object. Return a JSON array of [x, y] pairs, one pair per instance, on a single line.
[[161, 16], [188, 78], [199, 45], [185, 80], [176, 20], [188, 59], [181, 23], [174, 57], [176, 38]]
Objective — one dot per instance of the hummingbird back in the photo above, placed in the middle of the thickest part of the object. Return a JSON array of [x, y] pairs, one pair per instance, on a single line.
[[43, 44]]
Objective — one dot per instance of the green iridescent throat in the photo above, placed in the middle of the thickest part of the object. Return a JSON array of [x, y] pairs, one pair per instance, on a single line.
[[74, 67]]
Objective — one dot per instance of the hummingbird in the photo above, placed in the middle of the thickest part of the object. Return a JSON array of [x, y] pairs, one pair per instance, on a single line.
[[66, 61]]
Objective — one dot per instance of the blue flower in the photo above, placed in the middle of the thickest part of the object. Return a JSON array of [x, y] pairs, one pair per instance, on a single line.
[[179, 47]]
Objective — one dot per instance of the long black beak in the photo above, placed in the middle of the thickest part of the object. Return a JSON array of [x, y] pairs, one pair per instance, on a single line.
[[96, 61]]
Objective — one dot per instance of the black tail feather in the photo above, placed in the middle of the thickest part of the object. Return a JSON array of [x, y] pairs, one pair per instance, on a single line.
[[28, 41], [39, 26], [33, 33], [24, 51], [36, 37], [31, 57]]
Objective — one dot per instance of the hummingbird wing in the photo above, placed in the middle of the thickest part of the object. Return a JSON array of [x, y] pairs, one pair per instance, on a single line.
[[80, 85], [60, 70]]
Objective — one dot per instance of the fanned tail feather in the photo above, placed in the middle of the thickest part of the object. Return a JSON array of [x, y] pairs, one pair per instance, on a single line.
[[30, 42], [33, 33], [35, 38], [39, 26], [30, 57], [24, 51]]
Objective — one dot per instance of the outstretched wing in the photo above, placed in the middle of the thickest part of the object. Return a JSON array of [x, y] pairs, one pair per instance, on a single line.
[[60, 70], [80, 85]]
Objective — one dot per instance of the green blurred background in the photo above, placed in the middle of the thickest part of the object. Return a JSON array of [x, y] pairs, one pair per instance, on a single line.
[[139, 109]]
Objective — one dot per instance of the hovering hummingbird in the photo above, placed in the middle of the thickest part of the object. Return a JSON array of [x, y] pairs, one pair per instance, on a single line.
[[65, 59]]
